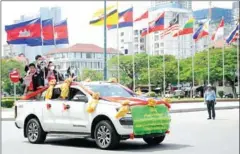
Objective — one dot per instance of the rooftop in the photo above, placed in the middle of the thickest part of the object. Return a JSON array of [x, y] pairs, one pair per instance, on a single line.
[[81, 47]]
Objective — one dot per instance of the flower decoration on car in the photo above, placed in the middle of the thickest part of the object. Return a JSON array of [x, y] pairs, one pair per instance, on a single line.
[[65, 88], [152, 102], [93, 103], [113, 80], [51, 83], [123, 110]]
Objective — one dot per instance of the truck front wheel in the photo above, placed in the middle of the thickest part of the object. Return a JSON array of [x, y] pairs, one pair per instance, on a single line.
[[34, 131], [154, 140], [105, 135]]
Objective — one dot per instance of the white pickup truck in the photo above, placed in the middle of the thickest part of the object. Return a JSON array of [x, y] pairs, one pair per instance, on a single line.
[[39, 118]]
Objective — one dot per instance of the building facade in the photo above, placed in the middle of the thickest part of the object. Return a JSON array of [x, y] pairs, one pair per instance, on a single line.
[[235, 11], [7, 51], [172, 4], [80, 57]]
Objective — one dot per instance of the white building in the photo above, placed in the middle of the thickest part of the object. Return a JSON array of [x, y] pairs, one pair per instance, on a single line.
[[235, 10], [7, 51], [81, 56], [167, 4]]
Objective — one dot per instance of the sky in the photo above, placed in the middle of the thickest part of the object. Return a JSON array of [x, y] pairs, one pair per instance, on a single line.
[[79, 14]]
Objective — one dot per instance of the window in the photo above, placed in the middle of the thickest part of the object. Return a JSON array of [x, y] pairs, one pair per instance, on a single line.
[[142, 40], [162, 44], [122, 40], [156, 37], [110, 90], [73, 92], [136, 39], [122, 34], [162, 52], [136, 47], [122, 47], [88, 55], [142, 47], [135, 32], [156, 45], [71, 55]]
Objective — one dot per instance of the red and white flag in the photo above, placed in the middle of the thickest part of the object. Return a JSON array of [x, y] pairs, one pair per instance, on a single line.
[[142, 17], [219, 32]]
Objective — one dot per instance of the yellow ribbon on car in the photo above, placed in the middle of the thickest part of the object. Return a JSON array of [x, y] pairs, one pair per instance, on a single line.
[[65, 88], [49, 91], [123, 110], [93, 103]]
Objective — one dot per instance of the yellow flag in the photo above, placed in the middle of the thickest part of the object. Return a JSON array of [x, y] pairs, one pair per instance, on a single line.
[[111, 15]]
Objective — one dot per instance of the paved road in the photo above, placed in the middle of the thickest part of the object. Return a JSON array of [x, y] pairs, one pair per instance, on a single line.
[[190, 133]]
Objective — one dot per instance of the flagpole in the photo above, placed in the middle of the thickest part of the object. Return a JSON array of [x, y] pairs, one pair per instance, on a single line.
[[118, 57], [178, 60], [44, 75], [223, 59], [193, 53], [238, 64], [209, 17], [238, 71], [148, 38], [105, 40], [133, 59], [54, 39]]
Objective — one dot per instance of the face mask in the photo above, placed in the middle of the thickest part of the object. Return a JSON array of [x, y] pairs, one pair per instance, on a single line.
[[32, 71], [51, 67]]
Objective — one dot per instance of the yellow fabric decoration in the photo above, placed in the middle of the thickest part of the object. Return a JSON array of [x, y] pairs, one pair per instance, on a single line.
[[88, 80], [167, 100], [65, 88], [123, 110], [49, 91], [93, 103], [139, 92], [113, 80], [151, 102]]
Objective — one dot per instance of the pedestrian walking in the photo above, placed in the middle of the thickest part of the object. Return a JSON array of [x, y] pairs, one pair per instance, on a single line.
[[210, 100]]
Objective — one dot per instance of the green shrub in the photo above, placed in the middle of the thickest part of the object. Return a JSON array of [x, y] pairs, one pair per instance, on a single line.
[[221, 93], [151, 94], [8, 103]]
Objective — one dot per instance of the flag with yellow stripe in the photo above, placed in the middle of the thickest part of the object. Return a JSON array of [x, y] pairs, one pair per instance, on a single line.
[[111, 16]]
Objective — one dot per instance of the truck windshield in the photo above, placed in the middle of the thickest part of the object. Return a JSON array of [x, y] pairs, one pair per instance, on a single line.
[[110, 90]]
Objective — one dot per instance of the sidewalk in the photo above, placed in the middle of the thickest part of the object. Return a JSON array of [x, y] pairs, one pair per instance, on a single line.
[[8, 114]]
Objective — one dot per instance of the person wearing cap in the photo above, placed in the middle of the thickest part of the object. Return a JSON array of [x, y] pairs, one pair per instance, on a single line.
[[210, 100]]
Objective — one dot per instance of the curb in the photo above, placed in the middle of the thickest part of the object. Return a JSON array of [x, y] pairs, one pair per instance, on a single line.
[[198, 101], [171, 111], [203, 109]]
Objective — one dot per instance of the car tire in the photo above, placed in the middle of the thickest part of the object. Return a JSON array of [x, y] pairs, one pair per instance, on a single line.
[[105, 135], [154, 140], [34, 131]]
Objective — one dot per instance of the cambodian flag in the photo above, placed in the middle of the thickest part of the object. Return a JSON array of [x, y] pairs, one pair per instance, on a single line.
[[28, 32], [47, 32], [232, 35], [125, 19], [61, 32]]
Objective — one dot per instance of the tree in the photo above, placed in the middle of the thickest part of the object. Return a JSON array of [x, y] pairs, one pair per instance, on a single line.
[[7, 66], [92, 74]]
